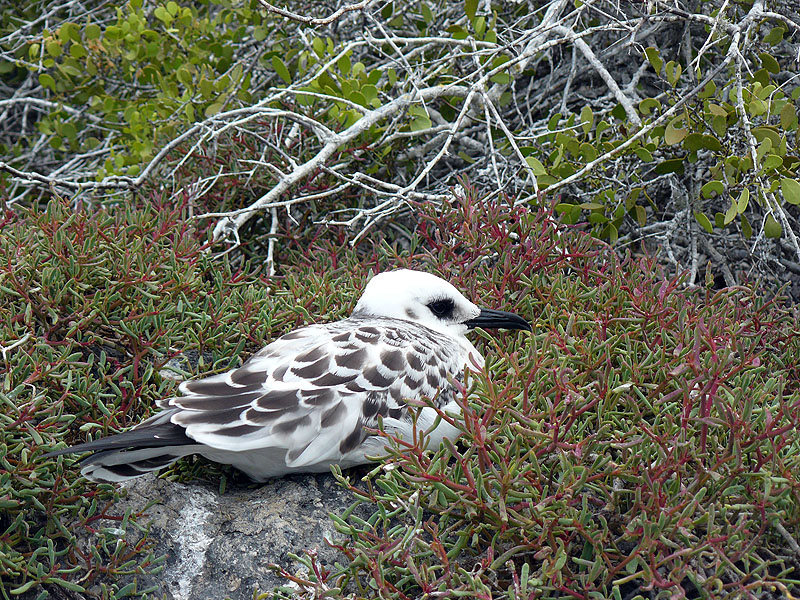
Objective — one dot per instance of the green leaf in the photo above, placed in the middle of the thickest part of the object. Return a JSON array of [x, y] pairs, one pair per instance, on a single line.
[[501, 78], [24, 587], [719, 125], [480, 26], [791, 190], [654, 59], [77, 51], [68, 32], [466, 158], [703, 220], [470, 8], [712, 188], [69, 131], [643, 154], [756, 107], [601, 127], [47, 81], [731, 213], [788, 116], [587, 119], [743, 201], [641, 215], [420, 120], [674, 134], [708, 90], [698, 141], [673, 165], [161, 14], [772, 229], [536, 166], [357, 97], [53, 49], [673, 72], [184, 76], [281, 70], [73, 587], [570, 213], [648, 105], [92, 32], [747, 229], [319, 47], [343, 63], [213, 109], [717, 110], [427, 15], [610, 232], [459, 33], [769, 133], [69, 69], [771, 162], [370, 93], [770, 64], [206, 88], [588, 152], [775, 36]]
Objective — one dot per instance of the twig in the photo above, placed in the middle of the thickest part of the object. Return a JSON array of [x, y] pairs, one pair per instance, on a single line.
[[311, 20], [271, 242], [590, 56]]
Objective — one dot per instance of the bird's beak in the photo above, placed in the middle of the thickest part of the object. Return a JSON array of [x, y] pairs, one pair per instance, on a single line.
[[498, 319]]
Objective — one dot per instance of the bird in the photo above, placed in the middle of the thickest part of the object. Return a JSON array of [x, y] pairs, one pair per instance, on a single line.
[[315, 397]]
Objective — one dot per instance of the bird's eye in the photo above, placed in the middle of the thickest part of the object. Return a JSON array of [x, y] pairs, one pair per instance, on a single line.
[[441, 308]]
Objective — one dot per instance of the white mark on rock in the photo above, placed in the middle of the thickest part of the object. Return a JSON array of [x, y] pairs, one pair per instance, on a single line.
[[192, 540]]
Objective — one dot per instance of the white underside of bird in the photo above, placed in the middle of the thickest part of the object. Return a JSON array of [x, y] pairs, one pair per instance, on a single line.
[[314, 397]]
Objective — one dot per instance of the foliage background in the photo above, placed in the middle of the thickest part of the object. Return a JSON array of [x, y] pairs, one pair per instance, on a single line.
[[202, 177], [658, 122]]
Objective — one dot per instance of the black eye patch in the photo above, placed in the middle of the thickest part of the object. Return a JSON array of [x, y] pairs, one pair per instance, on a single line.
[[442, 308]]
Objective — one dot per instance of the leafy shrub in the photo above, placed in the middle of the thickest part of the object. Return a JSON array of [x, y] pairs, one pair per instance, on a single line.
[[731, 144], [143, 77], [663, 145]]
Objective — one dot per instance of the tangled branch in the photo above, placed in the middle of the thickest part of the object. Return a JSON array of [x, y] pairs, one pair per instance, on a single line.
[[514, 100]]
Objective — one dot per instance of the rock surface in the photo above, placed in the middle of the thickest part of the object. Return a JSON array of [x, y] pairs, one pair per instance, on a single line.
[[220, 545]]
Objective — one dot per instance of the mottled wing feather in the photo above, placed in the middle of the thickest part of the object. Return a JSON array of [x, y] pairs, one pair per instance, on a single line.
[[314, 391]]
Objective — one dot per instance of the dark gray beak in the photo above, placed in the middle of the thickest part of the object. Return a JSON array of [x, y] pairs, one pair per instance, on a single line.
[[498, 319]]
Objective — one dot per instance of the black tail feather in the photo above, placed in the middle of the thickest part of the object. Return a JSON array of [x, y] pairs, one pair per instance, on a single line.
[[150, 436]]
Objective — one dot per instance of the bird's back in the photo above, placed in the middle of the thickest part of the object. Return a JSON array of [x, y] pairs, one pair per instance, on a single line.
[[313, 391], [305, 401]]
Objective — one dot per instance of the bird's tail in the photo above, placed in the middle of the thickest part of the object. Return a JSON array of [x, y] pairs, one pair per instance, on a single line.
[[151, 446], [112, 466]]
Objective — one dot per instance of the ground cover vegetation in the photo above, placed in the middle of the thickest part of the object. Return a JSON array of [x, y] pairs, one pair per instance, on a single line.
[[193, 179], [642, 441]]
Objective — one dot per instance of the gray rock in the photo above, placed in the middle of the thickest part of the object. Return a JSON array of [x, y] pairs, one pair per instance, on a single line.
[[220, 545]]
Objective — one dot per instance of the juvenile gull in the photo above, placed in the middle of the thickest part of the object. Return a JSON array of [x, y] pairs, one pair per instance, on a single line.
[[305, 401]]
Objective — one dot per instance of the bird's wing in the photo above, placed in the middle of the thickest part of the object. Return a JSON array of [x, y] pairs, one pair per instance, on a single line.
[[314, 390]]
